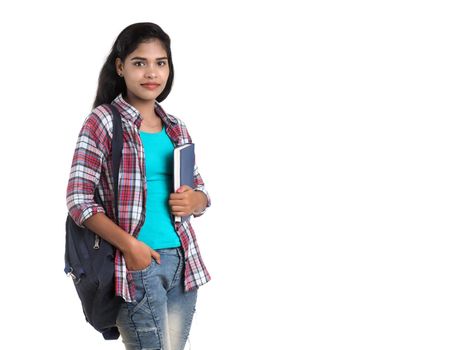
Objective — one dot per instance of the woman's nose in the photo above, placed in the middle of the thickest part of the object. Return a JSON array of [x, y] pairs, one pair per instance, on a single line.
[[151, 73]]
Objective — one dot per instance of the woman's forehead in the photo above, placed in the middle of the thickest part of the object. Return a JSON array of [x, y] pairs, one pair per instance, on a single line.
[[151, 48]]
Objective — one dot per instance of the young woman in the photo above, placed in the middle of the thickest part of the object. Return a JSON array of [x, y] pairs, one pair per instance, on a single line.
[[158, 266]]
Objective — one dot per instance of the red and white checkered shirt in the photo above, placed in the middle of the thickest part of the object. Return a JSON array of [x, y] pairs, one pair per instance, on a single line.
[[92, 168]]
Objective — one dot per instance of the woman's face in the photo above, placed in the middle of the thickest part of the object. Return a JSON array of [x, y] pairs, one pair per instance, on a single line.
[[145, 71]]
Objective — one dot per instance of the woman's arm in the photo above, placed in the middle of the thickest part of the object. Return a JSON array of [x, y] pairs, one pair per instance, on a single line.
[[201, 190], [89, 156], [91, 151], [199, 199], [137, 254]]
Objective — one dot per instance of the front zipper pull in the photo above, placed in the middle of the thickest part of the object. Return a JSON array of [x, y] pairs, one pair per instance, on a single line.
[[97, 242]]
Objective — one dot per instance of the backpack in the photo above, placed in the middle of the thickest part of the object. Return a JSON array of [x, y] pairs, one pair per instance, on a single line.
[[89, 259]]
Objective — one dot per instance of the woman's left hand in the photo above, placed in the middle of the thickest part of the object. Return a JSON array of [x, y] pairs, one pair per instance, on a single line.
[[186, 201]]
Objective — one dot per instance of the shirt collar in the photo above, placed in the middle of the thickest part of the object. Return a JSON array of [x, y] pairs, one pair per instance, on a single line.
[[132, 114]]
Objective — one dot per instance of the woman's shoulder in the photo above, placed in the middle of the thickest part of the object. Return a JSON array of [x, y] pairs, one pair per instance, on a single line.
[[180, 129], [98, 126], [176, 120], [171, 117], [100, 118]]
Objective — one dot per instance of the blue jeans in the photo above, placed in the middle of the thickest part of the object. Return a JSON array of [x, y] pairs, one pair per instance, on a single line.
[[161, 315]]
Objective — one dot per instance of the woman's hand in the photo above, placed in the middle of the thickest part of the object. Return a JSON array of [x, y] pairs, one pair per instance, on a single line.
[[186, 201], [139, 255]]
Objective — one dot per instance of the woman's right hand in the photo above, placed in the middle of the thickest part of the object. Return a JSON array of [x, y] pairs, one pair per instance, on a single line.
[[139, 255]]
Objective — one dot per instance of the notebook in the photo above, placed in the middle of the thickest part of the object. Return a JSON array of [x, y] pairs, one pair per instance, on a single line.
[[183, 170]]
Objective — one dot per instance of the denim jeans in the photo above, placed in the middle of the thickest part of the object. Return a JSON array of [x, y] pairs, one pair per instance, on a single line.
[[161, 315]]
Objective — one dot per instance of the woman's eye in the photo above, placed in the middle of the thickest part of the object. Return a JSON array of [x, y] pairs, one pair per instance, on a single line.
[[162, 63], [138, 63]]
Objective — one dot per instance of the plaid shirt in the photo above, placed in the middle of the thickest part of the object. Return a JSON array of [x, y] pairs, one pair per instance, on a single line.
[[92, 167]]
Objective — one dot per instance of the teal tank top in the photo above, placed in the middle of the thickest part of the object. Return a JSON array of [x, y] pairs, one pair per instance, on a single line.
[[158, 231]]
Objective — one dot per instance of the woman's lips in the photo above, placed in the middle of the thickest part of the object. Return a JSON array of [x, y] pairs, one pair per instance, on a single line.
[[150, 86]]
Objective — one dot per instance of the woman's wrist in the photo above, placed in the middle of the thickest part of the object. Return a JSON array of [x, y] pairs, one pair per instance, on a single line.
[[201, 203]]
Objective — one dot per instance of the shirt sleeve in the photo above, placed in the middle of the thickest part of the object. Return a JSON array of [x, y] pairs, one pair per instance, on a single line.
[[86, 168], [199, 183]]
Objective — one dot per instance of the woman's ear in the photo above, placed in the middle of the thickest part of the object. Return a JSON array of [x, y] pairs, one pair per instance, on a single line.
[[119, 66]]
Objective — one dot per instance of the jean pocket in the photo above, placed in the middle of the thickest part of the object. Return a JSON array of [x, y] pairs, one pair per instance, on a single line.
[[144, 270]]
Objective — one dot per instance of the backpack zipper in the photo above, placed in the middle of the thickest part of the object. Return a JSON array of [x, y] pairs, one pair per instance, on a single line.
[[97, 242]]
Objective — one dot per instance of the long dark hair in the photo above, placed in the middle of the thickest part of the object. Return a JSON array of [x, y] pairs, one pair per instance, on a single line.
[[110, 84]]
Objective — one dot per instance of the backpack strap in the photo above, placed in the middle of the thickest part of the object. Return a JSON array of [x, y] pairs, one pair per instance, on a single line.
[[117, 148]]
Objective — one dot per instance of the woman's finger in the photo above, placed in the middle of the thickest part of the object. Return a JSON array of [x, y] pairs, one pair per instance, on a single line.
[[155, 256]]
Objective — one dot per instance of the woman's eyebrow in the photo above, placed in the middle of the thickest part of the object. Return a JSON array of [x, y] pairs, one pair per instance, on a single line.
[[144, 59]]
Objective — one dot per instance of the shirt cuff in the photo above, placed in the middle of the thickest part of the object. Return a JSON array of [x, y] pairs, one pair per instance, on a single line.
[[89, 212]]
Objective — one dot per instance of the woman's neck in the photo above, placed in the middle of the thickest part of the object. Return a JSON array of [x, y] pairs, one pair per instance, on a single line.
[[145, 108]]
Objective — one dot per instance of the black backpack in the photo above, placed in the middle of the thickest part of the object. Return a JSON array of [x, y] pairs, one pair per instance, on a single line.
[[89, 259]]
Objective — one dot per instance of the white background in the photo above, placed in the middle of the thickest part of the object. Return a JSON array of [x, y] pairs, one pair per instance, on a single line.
[[324, 132]]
